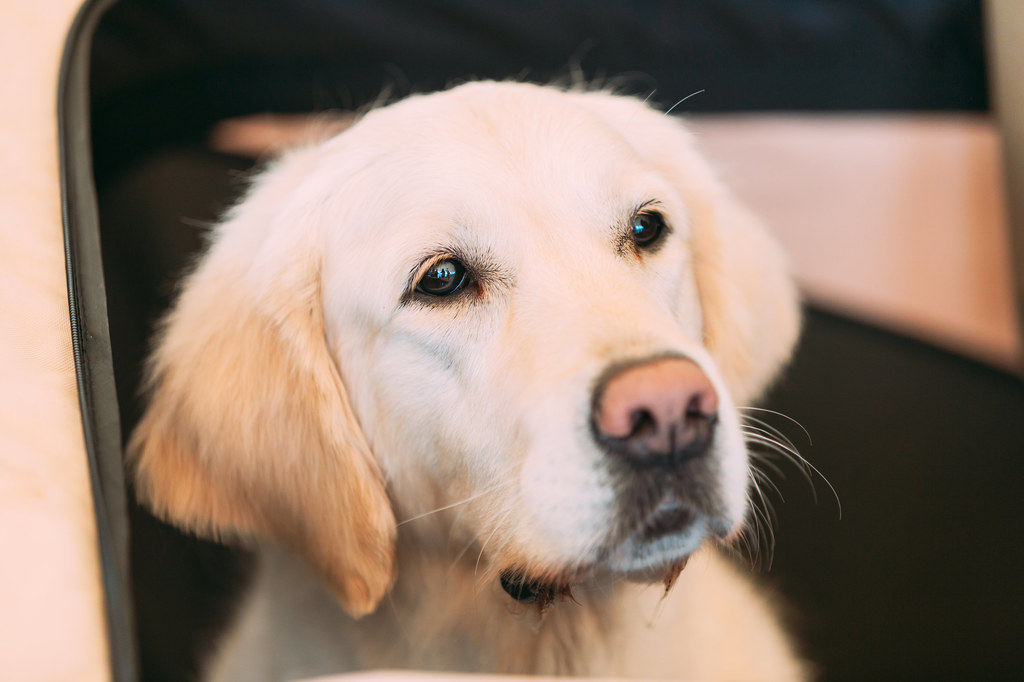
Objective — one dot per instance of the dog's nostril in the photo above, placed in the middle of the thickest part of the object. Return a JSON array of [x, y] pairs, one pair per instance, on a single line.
[[642, 423], [696, 407]]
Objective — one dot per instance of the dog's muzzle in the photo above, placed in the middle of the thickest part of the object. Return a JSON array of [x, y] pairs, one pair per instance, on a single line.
[[656, 421]]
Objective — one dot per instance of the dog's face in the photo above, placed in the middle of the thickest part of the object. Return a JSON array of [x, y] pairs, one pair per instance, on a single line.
[[535, 309]]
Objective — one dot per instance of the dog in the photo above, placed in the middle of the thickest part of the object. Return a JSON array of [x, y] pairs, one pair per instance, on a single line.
[[468, 375]]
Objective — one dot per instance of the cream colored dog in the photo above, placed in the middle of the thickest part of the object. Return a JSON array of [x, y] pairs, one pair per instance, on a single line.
[[477, 361]]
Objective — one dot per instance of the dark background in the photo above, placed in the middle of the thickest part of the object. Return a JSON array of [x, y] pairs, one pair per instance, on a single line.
[[919, 578]]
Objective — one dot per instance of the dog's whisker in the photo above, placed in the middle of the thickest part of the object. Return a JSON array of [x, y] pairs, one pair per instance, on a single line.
[[751, 408], [780, 446], [744, 547], [790, 455], [692, 94], [499, 523], [775, 439], [453, 505], [768, 510], [794, 456], [766, 538], [751, 537], [765, 440], [749, 421], [499, 520], [742, 541], [763, 516], [461, 553], [772, 446], [769, 436], [762, 477]]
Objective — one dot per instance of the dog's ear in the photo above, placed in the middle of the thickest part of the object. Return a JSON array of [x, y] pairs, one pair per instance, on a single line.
[[248, 430], [750, 305]]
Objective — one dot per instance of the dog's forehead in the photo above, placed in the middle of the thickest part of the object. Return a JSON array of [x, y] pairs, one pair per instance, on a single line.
[[488, 154], [492, 139], [504, 113]]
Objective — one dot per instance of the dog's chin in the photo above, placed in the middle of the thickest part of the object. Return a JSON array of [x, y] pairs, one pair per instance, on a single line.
[[656, 551], [662, 541], [658, 547]]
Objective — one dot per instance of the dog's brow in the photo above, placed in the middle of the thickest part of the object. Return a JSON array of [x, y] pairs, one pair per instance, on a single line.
[[645, 205]]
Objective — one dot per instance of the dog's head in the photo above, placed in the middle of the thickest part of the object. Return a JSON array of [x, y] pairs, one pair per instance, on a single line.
[[533, 308]]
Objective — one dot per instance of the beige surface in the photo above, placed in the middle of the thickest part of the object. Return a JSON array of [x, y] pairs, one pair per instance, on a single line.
[[410, 676], [897, 219], [1004, 34], [51, 625]]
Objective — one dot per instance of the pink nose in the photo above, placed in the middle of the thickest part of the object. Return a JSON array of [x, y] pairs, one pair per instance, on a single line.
[[655, 410]]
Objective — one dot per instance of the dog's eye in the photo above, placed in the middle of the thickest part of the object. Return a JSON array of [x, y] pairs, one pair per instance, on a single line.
[[443, 278], [647, 229]]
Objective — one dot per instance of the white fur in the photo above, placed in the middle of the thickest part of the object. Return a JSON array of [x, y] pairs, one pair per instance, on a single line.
[[300, 394]]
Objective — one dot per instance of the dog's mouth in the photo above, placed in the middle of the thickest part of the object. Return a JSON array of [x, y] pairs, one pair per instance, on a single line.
[[655, 549], [542, 594], [664, 519], [526, 590], [670, 516]]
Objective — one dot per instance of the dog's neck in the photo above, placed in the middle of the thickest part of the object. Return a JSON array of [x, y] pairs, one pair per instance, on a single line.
[[446, 588]]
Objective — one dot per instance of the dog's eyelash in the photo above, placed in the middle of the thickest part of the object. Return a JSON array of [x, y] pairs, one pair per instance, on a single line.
[[649, 205]]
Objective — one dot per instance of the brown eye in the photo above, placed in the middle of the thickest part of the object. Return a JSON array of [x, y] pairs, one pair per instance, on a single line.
[[443, 278], [647, 229]]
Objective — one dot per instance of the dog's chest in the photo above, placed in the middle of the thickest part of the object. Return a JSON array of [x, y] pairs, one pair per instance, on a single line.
[[290, 627]]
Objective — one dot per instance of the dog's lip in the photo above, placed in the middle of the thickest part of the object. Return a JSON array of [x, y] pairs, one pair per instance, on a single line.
[[670, 516], [528, 590], [653, 549]]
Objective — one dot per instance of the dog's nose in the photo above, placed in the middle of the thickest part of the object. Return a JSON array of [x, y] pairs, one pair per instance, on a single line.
[[660, 413]]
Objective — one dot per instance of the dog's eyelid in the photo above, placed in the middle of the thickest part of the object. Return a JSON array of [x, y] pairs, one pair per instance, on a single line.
[[430, 261]]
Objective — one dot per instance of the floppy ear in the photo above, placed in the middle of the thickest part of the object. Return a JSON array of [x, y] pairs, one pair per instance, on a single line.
[[249, 430], [750, 305]]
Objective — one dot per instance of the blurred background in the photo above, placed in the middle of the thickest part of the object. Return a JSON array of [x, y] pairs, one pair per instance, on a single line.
[[873, 137]]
